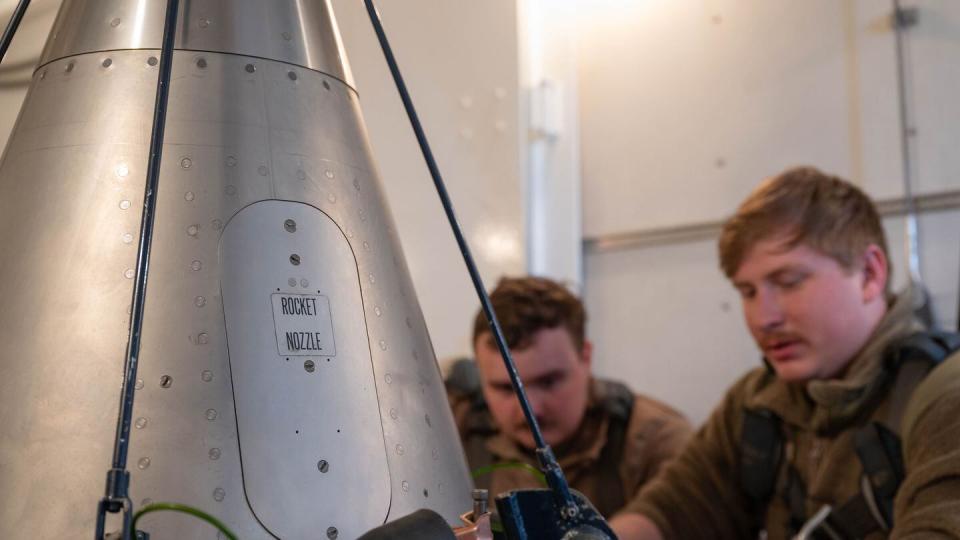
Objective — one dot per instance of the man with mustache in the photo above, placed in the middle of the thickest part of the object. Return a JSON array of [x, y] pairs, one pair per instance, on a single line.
[[852, 429], [608, 440]]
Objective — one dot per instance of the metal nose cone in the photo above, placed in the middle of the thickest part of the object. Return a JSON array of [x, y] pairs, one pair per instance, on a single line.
[[286, 372]]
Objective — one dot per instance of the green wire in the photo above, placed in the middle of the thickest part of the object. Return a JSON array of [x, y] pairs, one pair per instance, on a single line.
[[175, 507], [485, 470]]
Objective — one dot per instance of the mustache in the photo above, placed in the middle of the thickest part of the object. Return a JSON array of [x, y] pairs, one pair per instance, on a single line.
[[772, 339]]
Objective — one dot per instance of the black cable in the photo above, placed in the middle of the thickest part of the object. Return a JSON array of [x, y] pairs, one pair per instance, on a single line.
[[12, 26], [118, 477], [548, 462]]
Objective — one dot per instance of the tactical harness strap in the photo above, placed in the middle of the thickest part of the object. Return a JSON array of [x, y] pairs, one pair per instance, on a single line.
[[878, 449]]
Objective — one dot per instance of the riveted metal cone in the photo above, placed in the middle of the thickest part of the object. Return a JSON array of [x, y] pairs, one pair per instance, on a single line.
[[287, 384]]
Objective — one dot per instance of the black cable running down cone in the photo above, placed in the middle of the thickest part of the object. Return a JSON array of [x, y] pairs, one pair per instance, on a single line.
[[118, 478], [548, 463]]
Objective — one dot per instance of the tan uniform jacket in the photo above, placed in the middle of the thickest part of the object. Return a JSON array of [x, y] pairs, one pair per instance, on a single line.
[[650, 434], [699, 494]]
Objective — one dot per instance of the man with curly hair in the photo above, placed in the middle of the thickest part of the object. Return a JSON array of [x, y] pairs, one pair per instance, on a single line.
[[608, 440]]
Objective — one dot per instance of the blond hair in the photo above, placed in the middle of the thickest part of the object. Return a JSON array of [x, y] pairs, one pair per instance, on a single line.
[[815, 209]]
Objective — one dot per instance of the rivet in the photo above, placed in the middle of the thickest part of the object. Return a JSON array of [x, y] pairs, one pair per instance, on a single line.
[[199, 301], [214, 454], [188, 196], [211, 414], [106, 62], [290, 226], [143, 463], [329, 174], [372, 278], [326, 85], [292, 282], [206, 376], [196, 266], [203, 338], [323, 466], [186, 163], [405, 485], [383, 345], [219, 494], [127, 238], [263, 170], [378, 311], [128, 273], [122, 170], [309, 366], [231, 161], [250, 68], [394, 414], [292, 75], [202, 63], [399, 449], [332, 533], [193, 230], [204, 22], [216, 224], [287, 36], [304, 283], [124, 204], [332, 198], [295, 259], [425, 492], [152, 61], [166, 381], [140, 423], [388, 378], [139, 384], [115, 22]]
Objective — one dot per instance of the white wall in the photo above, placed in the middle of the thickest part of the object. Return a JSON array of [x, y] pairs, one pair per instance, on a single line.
[[685, 105], [459, 59]]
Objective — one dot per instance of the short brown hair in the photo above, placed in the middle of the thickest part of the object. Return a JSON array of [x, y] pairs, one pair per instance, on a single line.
[[527, 305], [824, 212]]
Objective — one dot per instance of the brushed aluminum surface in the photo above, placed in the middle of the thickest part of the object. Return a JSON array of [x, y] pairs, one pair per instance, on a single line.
[[300, 32], [309, 425], [240, 130]]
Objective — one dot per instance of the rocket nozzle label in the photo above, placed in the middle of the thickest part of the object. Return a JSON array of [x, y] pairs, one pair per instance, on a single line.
[[303, 324]]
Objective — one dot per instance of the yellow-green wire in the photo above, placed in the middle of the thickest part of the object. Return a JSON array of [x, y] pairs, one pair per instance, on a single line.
[[176, 507], [485, 470]]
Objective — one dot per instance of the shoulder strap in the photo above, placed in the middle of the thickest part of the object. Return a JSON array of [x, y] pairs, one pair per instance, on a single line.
[[761, 447], [618, 403], [921, 374]]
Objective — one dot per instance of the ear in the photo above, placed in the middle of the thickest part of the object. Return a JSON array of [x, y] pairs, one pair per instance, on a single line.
[[586, 353], [875, 273]]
